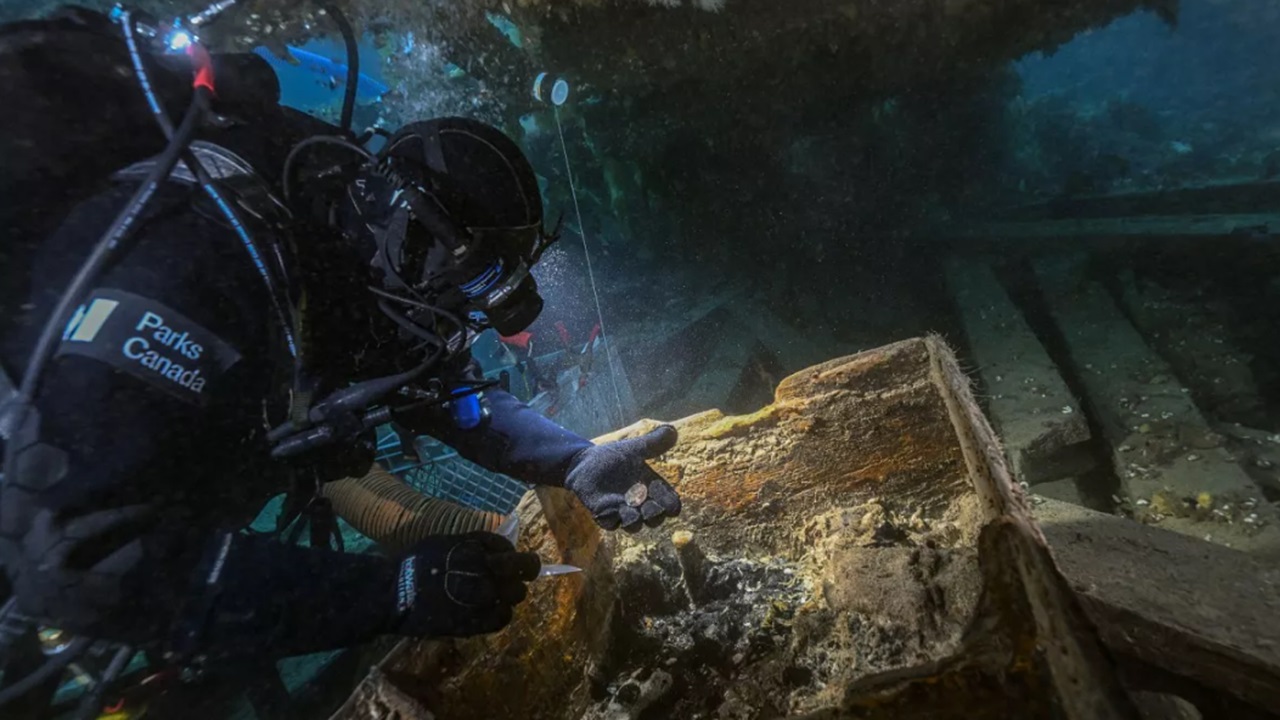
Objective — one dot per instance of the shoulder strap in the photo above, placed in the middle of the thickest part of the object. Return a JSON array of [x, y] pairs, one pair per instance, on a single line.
[[7, 390]]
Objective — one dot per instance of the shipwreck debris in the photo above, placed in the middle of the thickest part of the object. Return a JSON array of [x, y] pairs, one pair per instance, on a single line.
[[1140, 405], [861, 550]]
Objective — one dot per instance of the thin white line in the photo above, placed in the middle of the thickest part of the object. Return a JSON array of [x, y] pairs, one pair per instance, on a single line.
[[582, 233]]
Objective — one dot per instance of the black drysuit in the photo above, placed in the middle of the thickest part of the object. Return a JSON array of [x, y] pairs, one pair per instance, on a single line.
[[156, 404]]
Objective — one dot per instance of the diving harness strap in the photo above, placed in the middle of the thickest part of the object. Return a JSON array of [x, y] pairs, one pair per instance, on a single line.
[[8, 391], [253, 197]]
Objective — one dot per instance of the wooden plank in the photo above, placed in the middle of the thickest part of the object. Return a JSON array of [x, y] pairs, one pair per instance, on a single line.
[[1197, 610], [1146, 417], [1249, 225], [1193, 335], [1257, 450], [1241, 196], [1045, 434]]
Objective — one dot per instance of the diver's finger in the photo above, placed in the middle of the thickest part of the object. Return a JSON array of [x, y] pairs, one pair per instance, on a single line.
[[629, 516], [650, 509], [653, 513], [651, 444], [512, 592], [491, 542], [661, 492], [124, 558], [102, 521], [520, 566], [495, 619], [608, 520]]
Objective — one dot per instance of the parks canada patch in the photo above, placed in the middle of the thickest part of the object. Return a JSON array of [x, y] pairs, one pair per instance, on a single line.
[[150, 341]]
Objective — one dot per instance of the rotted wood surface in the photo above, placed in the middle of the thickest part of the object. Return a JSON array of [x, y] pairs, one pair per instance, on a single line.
[[822, 480]]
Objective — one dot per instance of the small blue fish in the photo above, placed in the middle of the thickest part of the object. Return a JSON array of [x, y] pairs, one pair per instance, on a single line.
[[408, 42]]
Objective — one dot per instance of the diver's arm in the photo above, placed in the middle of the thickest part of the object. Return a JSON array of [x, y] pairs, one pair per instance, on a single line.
[[149, 439], [258, 595], [252, 593], [238, 595], [515, 440], [512, 439]]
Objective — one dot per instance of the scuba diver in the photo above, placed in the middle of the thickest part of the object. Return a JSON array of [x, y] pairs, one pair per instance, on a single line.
[[209, 298]]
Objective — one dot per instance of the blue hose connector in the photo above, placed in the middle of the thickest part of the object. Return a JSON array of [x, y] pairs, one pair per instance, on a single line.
[[466, 410]]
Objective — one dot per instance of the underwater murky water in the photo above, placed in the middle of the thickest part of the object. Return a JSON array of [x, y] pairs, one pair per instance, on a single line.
[[1082, 199]]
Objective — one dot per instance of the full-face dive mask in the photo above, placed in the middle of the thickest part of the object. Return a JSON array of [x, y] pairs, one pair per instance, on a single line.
[[455, 216]]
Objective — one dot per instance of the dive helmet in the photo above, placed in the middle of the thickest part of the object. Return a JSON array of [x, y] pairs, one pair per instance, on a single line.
[[456, 218]]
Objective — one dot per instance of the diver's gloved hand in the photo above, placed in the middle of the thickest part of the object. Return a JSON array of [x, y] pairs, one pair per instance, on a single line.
[[459, 585], [66, 566], [619, 488]]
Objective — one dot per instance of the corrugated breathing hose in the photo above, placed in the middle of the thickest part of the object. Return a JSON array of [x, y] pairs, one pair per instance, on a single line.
[[396, 516]]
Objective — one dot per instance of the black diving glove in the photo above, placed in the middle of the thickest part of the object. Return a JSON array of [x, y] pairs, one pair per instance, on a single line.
[[460, 585], [619, 487]]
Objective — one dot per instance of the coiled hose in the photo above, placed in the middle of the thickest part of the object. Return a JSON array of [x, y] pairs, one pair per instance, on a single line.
[[396, 516]]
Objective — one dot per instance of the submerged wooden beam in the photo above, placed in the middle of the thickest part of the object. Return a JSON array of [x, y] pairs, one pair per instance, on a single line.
[[1151, 424], [1235, 208], [1238, 197], [1194, 336], [862, 550], [1203, 613], [1149, 226], [1044, 431]]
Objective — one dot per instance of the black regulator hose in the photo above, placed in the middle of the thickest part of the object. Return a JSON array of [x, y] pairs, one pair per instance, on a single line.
[[286, 176], [204, 63], [353, 65]]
